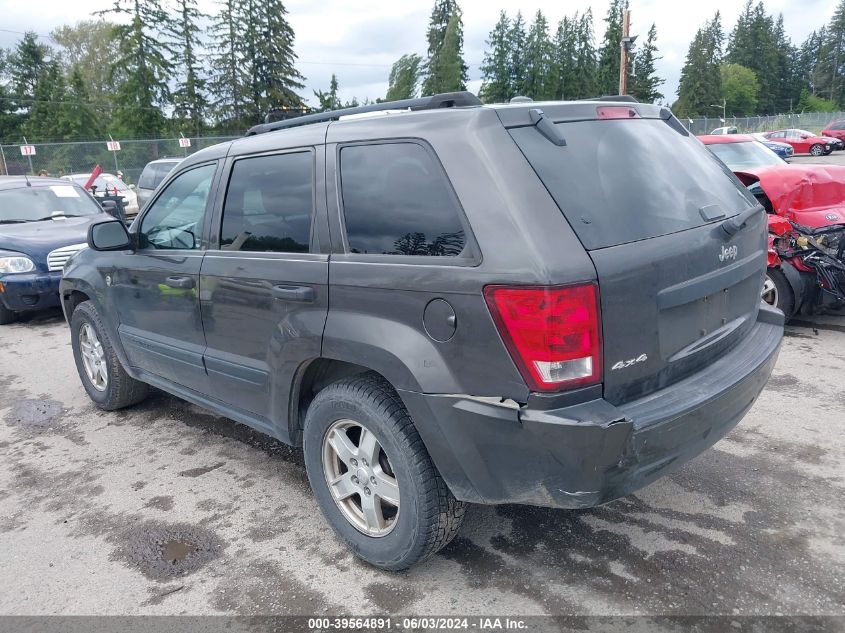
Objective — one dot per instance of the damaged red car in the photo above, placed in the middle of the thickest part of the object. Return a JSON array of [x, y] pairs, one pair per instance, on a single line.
[[806, 206]]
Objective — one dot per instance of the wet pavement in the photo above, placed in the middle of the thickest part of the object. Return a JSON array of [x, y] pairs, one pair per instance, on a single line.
[[165, 508]]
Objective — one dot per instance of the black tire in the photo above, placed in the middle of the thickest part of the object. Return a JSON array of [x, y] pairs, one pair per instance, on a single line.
[[429, 515], [121, 389], [784, 297], [7, 316], [817, 150]]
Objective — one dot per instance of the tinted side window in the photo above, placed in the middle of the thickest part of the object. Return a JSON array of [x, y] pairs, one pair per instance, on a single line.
[[269, 204], [174, 221], [396, 201], [160, 172], [147, 179]]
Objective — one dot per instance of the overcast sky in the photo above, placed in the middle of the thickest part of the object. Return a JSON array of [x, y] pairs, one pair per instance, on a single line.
[[360, 39]]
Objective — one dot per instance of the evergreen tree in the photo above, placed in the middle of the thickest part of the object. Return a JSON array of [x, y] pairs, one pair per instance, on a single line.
[[609, 53], [78, 118], [701, 83], [143, 68], [833, 56], [328, 99], [227, 79], [585, 67], [24, 67], [445, 50], [404, 78], [540, 81], [274, 78], [808, 69], [496, 69], [516, 43], [752, 44], [645, 83], [46, 108], [10, 119], [189, 100]]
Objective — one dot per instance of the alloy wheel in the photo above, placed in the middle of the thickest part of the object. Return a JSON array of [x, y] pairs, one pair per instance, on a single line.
[[360, 478], [770, 292], [93, 357]]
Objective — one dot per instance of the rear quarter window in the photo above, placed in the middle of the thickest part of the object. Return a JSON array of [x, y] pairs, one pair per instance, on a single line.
[[619, 181], [397, 201]]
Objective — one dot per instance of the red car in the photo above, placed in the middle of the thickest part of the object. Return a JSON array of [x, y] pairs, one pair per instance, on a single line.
[[835, 129], [811, 196], [802, 141]]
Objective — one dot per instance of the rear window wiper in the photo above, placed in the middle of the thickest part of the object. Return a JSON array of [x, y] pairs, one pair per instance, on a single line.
[[732, 225], [13, 221]]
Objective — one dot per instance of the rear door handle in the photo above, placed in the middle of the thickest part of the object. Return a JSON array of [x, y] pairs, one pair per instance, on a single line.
[[179, 282], [304, 294]]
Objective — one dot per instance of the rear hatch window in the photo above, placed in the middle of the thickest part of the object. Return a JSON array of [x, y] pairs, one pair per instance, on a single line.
[[625, 180]]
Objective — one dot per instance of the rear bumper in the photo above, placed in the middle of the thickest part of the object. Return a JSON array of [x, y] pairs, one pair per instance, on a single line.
[[30, 291], [591, 453]]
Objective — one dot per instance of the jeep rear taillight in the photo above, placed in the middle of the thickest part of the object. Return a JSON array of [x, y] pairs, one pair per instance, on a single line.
[[553, 333]]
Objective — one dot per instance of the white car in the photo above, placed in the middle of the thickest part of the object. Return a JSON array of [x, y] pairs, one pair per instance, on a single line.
[[110, 182], [730, 129]]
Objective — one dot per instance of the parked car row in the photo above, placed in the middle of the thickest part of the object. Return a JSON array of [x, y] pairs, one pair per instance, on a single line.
[[799, 141]]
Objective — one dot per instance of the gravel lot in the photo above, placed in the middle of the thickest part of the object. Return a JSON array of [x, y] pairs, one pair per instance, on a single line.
[[167, 509]]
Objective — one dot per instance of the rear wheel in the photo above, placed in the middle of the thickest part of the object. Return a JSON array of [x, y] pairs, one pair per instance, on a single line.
[[778, 293], [100, 370], [372, 476], [6, 315], [817, 150]]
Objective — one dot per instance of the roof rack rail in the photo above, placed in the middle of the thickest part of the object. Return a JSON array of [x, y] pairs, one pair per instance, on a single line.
[[443, 100], [626, 98]]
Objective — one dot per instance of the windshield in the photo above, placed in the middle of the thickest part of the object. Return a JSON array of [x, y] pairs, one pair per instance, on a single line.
[[29, 204], [739, 156], [619, 181], [102, 182]]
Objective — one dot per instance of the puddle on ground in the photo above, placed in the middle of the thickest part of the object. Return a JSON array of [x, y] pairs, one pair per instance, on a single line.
[[175, 552], [162, 551]]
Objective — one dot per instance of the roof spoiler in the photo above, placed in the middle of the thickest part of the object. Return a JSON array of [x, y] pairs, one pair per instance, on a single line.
[[434, 102]]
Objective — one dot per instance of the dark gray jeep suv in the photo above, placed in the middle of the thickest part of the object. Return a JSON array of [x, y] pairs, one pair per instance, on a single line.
[[538, 303]]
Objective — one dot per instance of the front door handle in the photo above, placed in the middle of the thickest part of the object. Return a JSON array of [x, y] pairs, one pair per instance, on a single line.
[[179, 282], [304, 294]]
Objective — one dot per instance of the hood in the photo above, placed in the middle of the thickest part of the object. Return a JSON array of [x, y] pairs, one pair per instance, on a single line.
[[813, 195], [37, 239]]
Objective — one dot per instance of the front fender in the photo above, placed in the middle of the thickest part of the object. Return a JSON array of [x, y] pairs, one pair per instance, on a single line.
[[83, 276]]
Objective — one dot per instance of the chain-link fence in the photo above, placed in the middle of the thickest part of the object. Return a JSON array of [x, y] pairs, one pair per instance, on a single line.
[[59, 159], [810, 121]]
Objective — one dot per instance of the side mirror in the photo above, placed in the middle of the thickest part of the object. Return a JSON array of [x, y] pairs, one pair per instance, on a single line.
[[109, 236]]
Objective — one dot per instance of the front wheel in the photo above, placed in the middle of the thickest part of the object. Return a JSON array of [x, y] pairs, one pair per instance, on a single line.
[[817, 150], [372, 476], [100, 370], [6, 315], [778, 293]]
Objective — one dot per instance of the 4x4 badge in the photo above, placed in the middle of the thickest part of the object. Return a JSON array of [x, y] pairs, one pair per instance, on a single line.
[[624, 364], [728, 252]]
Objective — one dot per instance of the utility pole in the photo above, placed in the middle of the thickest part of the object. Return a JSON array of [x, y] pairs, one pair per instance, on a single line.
[[625, 45]]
